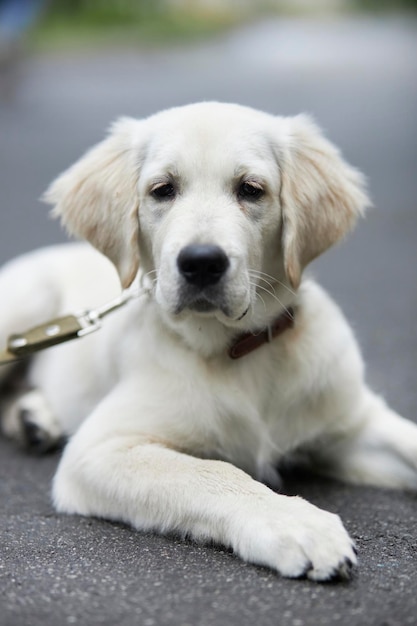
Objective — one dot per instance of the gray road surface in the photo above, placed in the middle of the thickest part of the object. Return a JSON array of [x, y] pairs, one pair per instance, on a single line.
[[358, 78]]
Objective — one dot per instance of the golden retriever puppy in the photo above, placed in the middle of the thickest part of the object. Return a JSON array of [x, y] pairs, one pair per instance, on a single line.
[[180, 410]]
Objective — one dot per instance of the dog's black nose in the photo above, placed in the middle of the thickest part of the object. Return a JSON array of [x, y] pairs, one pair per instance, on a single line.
[[202, 264]]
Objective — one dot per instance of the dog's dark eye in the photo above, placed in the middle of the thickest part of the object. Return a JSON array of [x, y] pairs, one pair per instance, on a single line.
[[250, 191], [164, 191]]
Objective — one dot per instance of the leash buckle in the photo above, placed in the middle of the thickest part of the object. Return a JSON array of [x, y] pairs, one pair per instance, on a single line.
[[52, 333], [61, 329]]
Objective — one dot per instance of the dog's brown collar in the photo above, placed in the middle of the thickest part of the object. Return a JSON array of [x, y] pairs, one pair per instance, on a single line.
[[247, 342]]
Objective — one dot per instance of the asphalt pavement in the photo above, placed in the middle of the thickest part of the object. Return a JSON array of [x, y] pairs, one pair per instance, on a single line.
[[358, 78]]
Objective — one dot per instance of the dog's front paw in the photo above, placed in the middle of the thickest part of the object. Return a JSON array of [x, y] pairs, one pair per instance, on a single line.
[[297, 539]]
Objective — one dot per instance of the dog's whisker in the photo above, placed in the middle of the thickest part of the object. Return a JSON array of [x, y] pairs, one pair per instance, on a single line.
[[281, 284], [257, 279], [270, 285], [258, 275], [258, 295], [262, 300], [153, 280], [275, 297]]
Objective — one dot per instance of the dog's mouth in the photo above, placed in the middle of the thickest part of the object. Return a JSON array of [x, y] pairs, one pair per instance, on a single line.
[[202, 305], [207, 306], [245, 312]]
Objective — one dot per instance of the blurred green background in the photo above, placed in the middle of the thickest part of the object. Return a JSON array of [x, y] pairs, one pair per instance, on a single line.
[[65, 23]]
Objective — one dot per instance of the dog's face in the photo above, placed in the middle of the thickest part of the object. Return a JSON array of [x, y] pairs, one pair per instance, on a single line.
[[208, 197], [213, 200]]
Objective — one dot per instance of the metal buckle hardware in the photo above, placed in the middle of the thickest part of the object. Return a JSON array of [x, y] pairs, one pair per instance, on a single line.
[[60, 330]]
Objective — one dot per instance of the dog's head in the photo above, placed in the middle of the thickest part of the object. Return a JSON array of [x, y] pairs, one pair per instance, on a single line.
[[217, 202]]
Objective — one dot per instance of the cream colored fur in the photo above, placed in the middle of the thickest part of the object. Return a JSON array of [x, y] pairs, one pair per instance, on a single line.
[[167, 432]]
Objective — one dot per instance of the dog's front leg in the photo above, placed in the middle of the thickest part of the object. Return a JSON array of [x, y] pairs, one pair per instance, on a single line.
[[113, 470]]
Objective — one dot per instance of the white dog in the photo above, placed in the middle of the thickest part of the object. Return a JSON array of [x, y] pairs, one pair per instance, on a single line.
[[182, 407]]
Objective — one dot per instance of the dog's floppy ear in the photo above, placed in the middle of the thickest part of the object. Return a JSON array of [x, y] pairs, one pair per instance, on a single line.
[[97, 198], [321, 195]]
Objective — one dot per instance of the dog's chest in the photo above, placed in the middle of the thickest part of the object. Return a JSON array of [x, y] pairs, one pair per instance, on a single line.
[[248, 408], [246, 411]]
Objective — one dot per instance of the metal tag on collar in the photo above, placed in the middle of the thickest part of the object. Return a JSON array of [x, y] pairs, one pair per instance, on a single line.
[[59, 330]]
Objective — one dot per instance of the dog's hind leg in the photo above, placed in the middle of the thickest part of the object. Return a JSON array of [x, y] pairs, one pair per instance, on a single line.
[[380, 450], [28, 298], [26, 418]]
